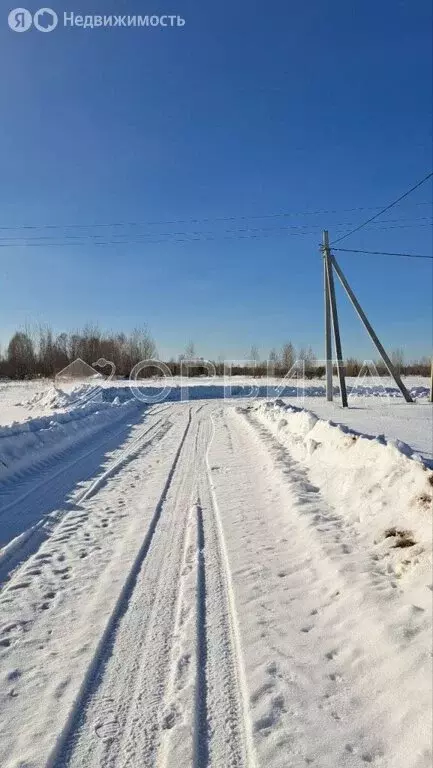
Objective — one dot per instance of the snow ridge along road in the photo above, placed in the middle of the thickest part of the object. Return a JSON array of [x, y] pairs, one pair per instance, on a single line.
[[204, 600], [52, 490]]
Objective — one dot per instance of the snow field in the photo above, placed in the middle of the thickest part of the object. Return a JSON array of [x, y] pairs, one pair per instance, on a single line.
[[216, 585]]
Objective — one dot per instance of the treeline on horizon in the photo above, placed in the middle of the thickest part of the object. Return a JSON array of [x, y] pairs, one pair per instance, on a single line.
[[40, 353]]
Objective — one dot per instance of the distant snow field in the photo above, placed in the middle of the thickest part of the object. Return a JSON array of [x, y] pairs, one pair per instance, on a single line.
[[227, 578]]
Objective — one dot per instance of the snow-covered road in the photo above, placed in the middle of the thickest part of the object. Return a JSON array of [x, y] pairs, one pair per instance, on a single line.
[[185, 590]]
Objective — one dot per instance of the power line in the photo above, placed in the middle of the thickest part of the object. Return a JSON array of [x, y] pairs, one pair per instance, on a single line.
[[92, 236], [282, 214], [21, 243], [163, 237], [201, 234], [385, 253], [139, 242], [83, 242], [391, 205]]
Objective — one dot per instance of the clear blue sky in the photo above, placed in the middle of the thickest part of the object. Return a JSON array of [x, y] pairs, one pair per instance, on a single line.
[[249, 109]]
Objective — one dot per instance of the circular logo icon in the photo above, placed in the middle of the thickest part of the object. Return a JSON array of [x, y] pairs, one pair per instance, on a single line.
[[45, 20], [20, 20]]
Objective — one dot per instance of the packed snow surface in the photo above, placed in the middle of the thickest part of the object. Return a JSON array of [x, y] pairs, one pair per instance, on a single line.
[[214, 583]]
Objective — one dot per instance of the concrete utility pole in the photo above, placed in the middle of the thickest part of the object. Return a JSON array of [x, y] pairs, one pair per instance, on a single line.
[[334, 314], [370, 330], [328, 341], [431, 382]]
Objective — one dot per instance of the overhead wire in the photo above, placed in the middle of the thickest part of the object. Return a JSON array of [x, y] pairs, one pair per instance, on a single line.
[[387, 208], [384, 253], [116, 224], [143, 237]]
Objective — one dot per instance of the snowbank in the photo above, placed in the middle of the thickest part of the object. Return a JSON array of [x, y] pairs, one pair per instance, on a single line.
[[177, 388], [24, 443], [381, 486], [25, 400]]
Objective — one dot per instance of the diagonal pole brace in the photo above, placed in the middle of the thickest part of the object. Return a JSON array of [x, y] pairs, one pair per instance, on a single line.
[[370, 331]]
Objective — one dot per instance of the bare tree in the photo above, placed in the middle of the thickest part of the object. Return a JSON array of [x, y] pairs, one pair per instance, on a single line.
[[189, 353], [353, 366], [307, 356], [48, 355], [273, 361], [397, 359], [254, 357], [21, 355], [139, 346], [287, 356], [254, 353]]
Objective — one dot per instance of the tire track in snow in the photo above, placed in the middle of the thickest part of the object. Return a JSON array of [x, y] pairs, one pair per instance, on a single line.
[[167, 687], [26, 544], [201, 726], [127, 454], [64, 752], [30, 584], [24, 476], [217, 709], [184, 736], [231, 744], [205, 717]]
